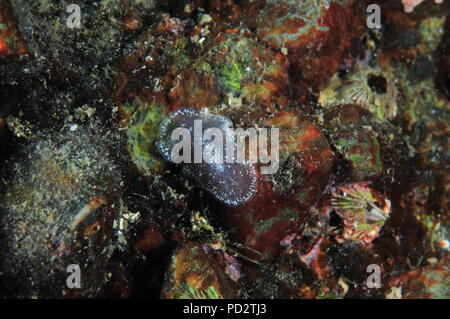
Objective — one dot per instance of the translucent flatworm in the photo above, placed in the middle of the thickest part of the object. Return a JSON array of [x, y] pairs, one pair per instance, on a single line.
[[230, 182]]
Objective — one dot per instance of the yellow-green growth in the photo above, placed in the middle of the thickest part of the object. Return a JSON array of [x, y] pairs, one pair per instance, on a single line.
[[238, 58], [142, 135], [232, 75], [180, 55], [204, 67]]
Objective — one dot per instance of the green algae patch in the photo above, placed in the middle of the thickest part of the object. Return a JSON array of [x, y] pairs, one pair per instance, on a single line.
[[142, 134], [238, 58], [180, 55], [232, 76], [204, 67]]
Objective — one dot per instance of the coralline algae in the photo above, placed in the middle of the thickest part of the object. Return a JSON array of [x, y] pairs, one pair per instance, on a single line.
[[230, 182]]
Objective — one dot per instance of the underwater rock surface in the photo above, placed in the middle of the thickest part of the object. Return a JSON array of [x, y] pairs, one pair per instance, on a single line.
[[60, 202], [87, 175]]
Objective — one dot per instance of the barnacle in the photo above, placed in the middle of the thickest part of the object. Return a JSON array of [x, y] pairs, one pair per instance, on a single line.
[[193, 274], [372, 88], [363, 211], [194, 293]]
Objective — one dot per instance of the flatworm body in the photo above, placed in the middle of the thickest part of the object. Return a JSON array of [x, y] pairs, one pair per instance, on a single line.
[[230, 182]]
